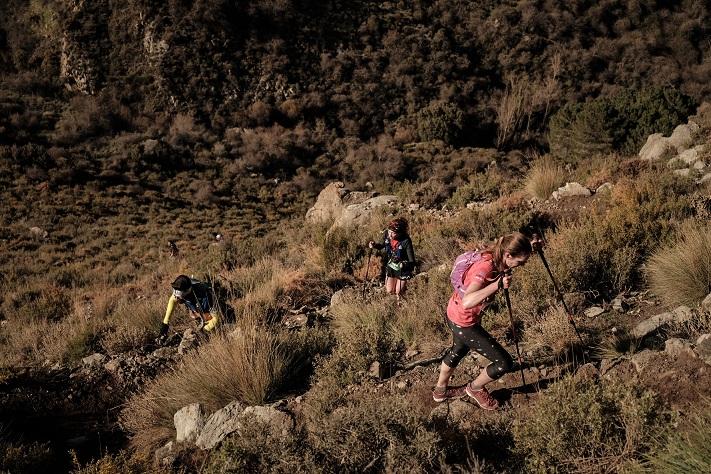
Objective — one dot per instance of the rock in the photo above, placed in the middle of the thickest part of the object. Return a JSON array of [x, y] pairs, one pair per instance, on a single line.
[[414, 207], [683, 172], [376, 370], [187, 342], [163, 353], [277, 421], [94, 360], [705, 178], [338, 298], [680, 314], [411, 353], [706, 303], [402, 385], [329, 204], [604, 188], [38, 232], [359, 214], [292, 321], [683, 136], [587, 372], [593, 311], [675, 347], [643, 359], [164, 456], [189, 421], [656, 148], [113, 365], [571, 190], [703, 348], [220, 424], [619, 304], [605, 365]]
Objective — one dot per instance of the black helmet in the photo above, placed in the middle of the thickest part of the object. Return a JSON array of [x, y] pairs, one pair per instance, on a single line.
[[181, 285]]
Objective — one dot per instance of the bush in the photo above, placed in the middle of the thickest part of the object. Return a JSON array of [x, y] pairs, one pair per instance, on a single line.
[[579, 426], [619, 123], [250, 365], [481, 187], [85, 117], [440, 121], [544, 177], [681, 273], [687, 449]]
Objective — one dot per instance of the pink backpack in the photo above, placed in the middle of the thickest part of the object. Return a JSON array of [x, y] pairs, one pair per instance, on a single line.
[[461, 265]]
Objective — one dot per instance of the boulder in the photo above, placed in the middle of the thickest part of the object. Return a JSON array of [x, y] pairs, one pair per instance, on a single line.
[[619, 304], [359, 214], [642, 360], [329, 204], [338, 297], [703, 348], [94, 360], [705, 178], [680, 314], [571, 190], [593, 311], [706, 303], [604, 188], [587, 372], [683, 136], [165, 456], [292, 321], [685, 172], [656, 148], [376, 370], [113, 365], [220, 424], [189, 421], [38, 232], [163, 352], [676, 347]]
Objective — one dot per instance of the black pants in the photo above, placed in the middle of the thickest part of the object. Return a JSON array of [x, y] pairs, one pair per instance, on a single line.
[[476, 338]]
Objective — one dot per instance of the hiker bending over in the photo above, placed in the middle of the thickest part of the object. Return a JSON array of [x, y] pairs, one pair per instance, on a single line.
[[198, 297], [476, 277], [400, 254]]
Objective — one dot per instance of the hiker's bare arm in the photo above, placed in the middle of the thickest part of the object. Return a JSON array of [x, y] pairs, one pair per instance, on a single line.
[[478, 292]]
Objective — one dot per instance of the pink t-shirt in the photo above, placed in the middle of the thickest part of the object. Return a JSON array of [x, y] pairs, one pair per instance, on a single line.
[[482, 273]]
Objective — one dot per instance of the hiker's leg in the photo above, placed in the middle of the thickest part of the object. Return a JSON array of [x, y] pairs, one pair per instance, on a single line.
[[400, 287], [456, 353], [486, 345], [390, 285]]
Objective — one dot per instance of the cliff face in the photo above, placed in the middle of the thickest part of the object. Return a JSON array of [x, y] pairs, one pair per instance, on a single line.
[[362, 67]]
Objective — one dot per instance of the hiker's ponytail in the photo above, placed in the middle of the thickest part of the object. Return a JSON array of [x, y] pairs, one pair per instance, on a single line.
[[516, 244]]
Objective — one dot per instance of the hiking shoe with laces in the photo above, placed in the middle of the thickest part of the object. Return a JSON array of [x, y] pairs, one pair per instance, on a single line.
[[441, 394], [483, 398]]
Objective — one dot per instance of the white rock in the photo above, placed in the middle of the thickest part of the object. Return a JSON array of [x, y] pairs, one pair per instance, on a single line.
[[675, 347], [277, 421], [189, 421], [680, 314], [683, 136], [220, 424], [683, 172], [570, 190], [604, 188], [94, 360], [593, 311], [656, 147]]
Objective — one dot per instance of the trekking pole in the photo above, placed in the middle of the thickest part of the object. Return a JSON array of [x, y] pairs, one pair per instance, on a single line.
[[559, 294], [513, 334], [367, 269]]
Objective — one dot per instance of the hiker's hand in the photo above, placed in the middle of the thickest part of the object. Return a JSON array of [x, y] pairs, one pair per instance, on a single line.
[[537, 243], [505, 280], [371, 244], [163, 330]]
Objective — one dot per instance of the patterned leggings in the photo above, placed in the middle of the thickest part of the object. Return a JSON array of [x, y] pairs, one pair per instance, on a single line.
[[476, 338]]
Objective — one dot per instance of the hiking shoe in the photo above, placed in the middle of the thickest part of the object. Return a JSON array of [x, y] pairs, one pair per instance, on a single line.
[[441, 394], [483, 398]]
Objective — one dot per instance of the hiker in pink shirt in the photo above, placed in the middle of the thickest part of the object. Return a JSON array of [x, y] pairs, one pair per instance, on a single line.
[[488, 271]]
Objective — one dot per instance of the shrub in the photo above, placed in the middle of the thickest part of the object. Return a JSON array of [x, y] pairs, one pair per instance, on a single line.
[[552, 330], [681, 273], [32, 457], [440, 121], [579, 426], [622, 122], [84, 117], [544, 177], [686, 449], [481, 187], [250, 365]]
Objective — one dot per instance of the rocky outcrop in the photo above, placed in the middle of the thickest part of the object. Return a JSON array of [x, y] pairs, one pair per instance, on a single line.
[[648, 326], [346, 208], [221, 423], [189, 422]]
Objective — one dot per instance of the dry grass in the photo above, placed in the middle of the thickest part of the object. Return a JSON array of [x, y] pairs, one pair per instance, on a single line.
[[681, 273], [544, 177], [251, 364], [552, 330]]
